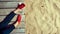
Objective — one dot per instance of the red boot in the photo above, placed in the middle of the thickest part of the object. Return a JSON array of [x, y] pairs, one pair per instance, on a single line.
[[18, 19], [21, 5]]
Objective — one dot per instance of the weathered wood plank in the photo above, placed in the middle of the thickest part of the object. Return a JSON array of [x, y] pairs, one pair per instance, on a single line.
[[19, 30], [22, 25], [17, 33], [12, 0], [2, 17], [8, 4], [7, 11]]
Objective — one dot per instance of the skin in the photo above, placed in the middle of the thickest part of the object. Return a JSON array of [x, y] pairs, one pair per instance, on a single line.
[[16, 12]]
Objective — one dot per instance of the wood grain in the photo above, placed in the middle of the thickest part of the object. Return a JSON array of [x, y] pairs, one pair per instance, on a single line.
[[12, 0], [4, 12], [2, 18], [8, 5]]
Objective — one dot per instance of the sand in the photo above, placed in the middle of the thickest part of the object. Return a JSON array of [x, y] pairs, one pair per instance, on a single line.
[[42, 16]]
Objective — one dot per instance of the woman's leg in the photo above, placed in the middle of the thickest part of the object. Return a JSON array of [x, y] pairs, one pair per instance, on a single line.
[[12, 14], [8, 18], [9, 28]]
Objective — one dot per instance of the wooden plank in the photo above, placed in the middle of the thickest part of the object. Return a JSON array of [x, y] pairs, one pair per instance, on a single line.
[[2, 17], [12, 0], [8, 4], [7, 11], [17, 33], [21, 26], [19, 30]]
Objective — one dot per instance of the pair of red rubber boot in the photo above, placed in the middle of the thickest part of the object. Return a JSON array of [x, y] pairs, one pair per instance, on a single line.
[[20, 6]]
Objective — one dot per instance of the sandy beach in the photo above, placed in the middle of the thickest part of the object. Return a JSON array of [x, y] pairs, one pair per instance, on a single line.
[[42, 16]]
